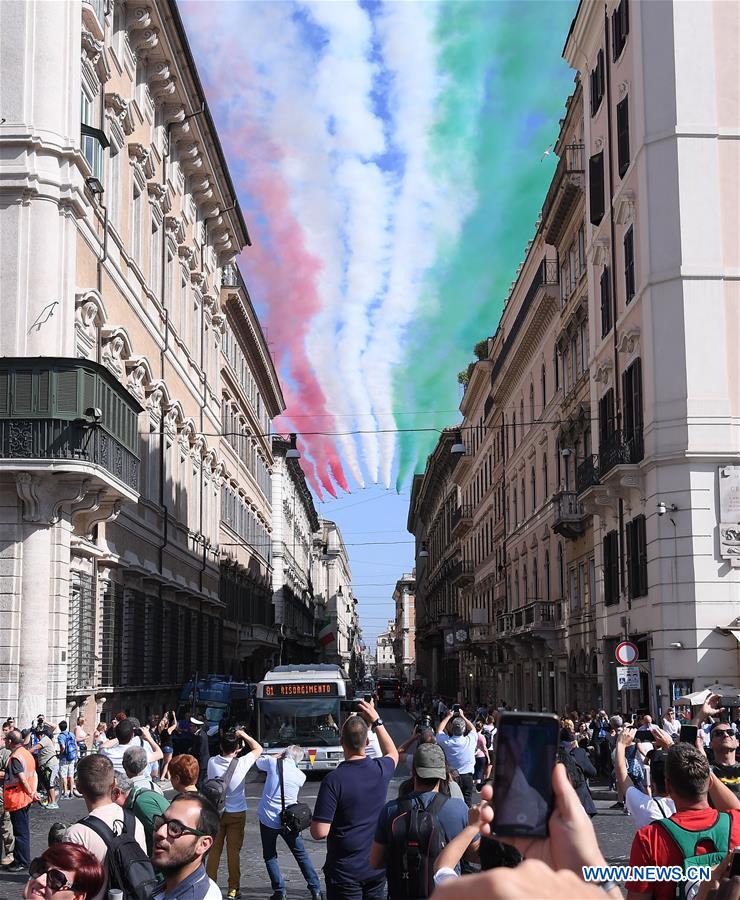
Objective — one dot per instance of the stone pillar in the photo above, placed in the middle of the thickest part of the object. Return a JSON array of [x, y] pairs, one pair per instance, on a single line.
[[34, 624]]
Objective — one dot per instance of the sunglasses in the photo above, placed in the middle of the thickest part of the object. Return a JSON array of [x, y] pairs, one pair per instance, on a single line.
[[730, 731], [55, 879], [175, 828]]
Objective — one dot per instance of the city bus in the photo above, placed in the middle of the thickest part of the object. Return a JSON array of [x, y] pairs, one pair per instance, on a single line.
[[304, 705]]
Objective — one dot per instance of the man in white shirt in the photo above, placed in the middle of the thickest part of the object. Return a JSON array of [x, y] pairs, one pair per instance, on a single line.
[[126, 738], [641, 806], [95, 781], [234, 816], [671, 723], [268, 813], [459, 748]]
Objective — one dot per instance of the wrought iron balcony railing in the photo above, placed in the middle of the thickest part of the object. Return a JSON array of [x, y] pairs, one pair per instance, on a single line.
[[587, 473], [569, 517], [620, 449]]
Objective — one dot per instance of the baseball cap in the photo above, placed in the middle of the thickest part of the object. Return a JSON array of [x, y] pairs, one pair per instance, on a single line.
[[196, 721], [458, 726], [429, 761]]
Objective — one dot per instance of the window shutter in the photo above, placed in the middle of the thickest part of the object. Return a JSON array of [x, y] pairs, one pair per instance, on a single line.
[[615, 35], [623, 136], [629, 266], [596, 187], [606, 303], [641, 553], [42, 405], [23, 393], [66, 393], [4, 400]]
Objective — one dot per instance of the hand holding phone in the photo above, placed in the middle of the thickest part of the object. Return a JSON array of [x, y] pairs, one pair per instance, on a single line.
[[735, 864], [688, 734], [526, 749]]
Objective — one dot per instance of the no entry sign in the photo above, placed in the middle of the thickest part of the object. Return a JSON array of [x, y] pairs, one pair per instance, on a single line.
[[626, 653]]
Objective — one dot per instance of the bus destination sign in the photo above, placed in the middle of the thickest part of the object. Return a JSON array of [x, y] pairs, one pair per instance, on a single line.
[[303, 689]]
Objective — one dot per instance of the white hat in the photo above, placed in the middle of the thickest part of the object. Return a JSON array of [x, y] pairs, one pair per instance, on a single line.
[[196, 721]]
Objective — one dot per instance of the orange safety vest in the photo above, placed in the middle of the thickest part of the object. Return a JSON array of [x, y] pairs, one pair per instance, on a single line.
[[14, 796]]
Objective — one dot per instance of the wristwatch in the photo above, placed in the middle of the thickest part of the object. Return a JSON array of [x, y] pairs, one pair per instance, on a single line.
[[376, 723]]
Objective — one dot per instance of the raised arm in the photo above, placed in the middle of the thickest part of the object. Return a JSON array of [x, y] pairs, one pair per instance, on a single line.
[[370, 715], [254, 747], [620, 761], [443, 724], [156, 750]]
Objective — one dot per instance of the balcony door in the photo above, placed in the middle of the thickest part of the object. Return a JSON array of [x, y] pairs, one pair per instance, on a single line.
[[632, 392]]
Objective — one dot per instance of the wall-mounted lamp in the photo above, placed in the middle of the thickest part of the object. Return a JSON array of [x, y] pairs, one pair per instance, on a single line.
[[676, 645], [566, 452], [95, 186], [663, 508], [423, 552], [458, 448], [293, 452]]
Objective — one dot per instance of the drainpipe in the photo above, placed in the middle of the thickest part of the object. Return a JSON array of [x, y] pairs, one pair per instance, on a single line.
[[617, 392]]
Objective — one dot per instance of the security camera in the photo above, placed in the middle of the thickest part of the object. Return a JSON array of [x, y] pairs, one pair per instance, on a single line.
[[663, 508]]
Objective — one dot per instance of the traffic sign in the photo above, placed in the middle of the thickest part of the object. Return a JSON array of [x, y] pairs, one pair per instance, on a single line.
[[626, 653], [628, 678]]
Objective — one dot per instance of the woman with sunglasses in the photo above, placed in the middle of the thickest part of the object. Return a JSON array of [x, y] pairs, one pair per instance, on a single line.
[[65, 871]]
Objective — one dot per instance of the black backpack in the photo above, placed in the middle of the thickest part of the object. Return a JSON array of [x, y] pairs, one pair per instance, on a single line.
[[575, 772], [416, 840], [215, 788], [129, 868]]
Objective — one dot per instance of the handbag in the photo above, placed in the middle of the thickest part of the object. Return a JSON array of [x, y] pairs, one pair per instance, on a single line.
[[294, 818]]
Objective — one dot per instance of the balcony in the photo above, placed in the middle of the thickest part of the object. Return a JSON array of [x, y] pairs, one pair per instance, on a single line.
[[72, 412], [93, 16], [587, 474], [569, 517], [540, 618], [461, 572], [620, 449], [461, 520], [565, 189]]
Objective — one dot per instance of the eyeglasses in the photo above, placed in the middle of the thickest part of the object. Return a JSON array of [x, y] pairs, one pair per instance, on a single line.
[[55, 879], [175, 828], [723, 731]]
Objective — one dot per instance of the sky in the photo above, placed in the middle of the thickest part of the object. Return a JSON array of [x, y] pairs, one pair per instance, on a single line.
[[391, 159]]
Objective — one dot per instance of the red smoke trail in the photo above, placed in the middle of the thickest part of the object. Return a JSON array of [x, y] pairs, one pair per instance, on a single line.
[[278, 266]]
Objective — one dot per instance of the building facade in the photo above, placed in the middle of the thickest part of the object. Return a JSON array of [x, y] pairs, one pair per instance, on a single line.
[[404, 643], [385, 658], [594, 497], [295, 524], [336, 604], [123, 331]]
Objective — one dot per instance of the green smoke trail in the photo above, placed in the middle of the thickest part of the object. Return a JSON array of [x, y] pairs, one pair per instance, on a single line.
[[510, 51]]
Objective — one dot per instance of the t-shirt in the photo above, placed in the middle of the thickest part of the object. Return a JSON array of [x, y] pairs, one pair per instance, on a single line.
[[452, 817], [112, 815], [350, 798], [673, 727], [729, 776], [146, 801], [372, 750], [653, 846], [115, 753], [268, 812], [481, 748], [47, 754], [644, 809], [460, 751], [236, 798]]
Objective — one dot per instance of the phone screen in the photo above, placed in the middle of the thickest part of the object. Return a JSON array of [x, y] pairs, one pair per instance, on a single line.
[[735, 865], [688, 734], [526, 748]]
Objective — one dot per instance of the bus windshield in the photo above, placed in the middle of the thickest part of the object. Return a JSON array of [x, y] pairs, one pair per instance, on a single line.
[[303, 722]]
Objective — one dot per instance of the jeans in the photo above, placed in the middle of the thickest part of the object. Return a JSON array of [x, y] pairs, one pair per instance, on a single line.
[[466, 786], [296, 846], [231, 830], [480, 767], [370, 889], [19, 818]]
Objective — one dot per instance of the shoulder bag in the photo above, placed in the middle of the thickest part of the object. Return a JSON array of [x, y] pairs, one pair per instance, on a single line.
[[294, 818]]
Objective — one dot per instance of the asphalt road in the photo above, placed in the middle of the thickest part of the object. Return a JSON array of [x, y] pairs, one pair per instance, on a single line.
[[613, 828]]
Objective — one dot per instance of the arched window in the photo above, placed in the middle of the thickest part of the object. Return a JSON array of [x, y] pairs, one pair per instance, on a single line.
[[543, 387], [561, 572], [525, 585], [535, 580], [521, 417], [516, 588], [557, 464], [516, 510], [547, 574], [524, 501], [545, 479], [531, 402], [513, 428], [533, 488]]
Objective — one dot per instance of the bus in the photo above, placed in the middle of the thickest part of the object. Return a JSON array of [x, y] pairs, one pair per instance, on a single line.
[[304, 705]]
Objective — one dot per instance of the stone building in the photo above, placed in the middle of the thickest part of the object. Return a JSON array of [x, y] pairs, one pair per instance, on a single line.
[[404, 642], [335, 603], [130, 357], [385, 660]]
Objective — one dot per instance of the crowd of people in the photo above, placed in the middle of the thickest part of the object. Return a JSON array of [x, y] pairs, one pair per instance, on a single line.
[[681, 788]]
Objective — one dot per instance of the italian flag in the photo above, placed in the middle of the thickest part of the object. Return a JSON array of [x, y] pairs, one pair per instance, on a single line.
[[326, 635]]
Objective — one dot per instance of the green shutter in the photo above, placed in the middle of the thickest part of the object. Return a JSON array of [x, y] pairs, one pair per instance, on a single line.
[[66, 394], [88, 391], [4, 400], [23, 392], [44, 398]]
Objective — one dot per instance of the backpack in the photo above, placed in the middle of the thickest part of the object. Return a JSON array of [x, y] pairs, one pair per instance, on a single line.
[[69, 747], [686, 840], [575, 772], [129, 868], [215, 788], [416, 840]]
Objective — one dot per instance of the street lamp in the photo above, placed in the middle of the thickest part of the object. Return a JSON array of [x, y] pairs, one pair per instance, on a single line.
[[458, 448], [423, 552], [293, 452]]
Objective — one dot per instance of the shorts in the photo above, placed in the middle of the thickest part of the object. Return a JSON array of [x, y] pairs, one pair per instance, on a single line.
[[67, 769], [51, 773]]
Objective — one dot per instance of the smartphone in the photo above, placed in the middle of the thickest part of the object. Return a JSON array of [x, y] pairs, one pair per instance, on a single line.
[[526, 749], [644, 737], [688, 734], [368, 698], [735, 864]]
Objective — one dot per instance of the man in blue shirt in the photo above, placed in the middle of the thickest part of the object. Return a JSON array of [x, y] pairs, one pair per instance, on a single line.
[[429, 773], [268, 813], [347, 808], [459, 748]]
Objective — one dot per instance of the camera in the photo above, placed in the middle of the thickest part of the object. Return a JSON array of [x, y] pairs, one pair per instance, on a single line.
[[368, 698], [456, 708], [423, 722]]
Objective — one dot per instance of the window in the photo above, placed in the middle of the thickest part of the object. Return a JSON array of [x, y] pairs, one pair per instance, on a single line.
[[611, 569], [92, 140], [564, 282], [543, 388], [597, 83], [582, 249], [606, 416], [113, 188], [136, 223], [573, 265], [623, 136], [596, 187], [606, 303], [535, 580], [516, 510], [573, 589], [533, 488], [591, 581], [557, 465], [636, 557], [531, 402], [513, 428], [521, 418], [525, 586], [556, 369], [561, 571], [155, 259], [545, 479], [632, 400], [524, 501], [581, 585], [629, 266], [620, 29], [574, 359], [547, 574]]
